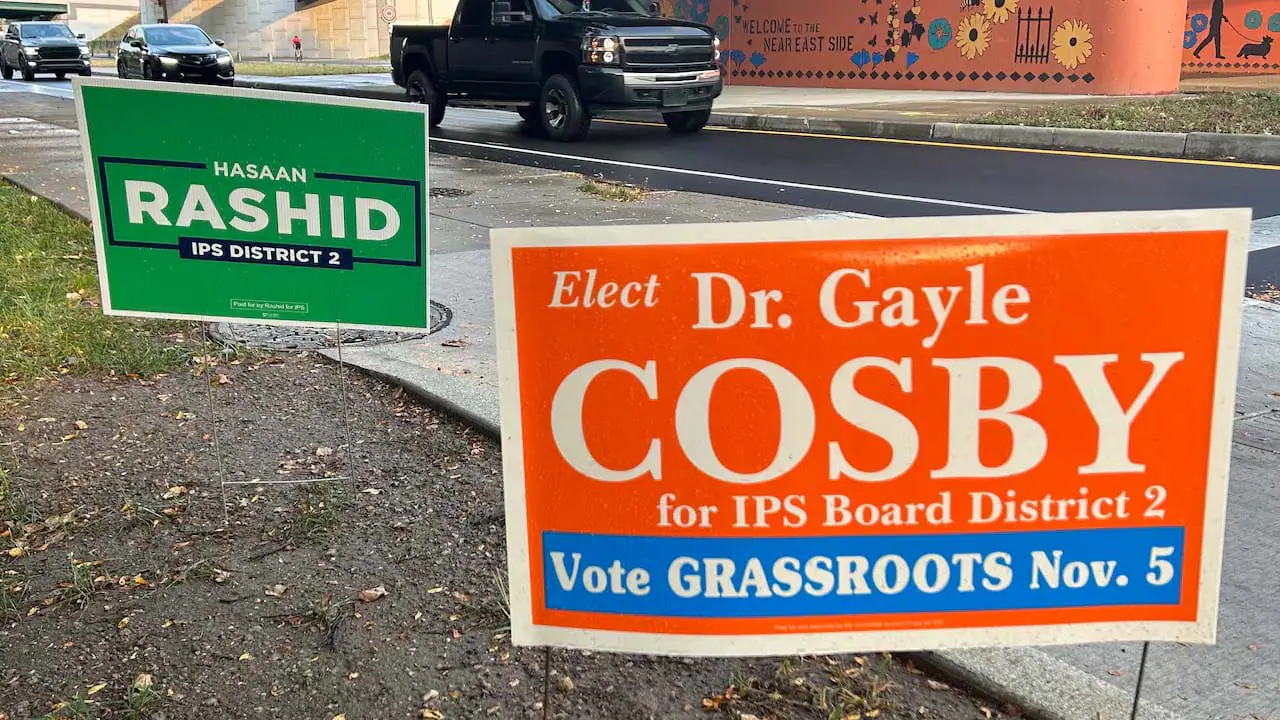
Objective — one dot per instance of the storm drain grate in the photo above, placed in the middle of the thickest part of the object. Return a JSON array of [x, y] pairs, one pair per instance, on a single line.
[[448, 192], [275, 337]]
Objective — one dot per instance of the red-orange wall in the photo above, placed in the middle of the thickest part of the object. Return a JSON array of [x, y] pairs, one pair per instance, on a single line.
[[1121, 47], [1242, 30]]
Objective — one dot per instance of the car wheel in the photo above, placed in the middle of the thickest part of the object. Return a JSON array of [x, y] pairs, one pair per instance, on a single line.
[[6, 72], [418, 89], [562, 114], [120, 71], [687, 122], [28, 74]]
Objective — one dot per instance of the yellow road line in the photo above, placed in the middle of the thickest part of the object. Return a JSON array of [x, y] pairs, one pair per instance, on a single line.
[[970, 146]]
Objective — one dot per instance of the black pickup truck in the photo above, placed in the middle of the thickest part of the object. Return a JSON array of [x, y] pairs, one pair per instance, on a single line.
[[557, 62], [42, 47]]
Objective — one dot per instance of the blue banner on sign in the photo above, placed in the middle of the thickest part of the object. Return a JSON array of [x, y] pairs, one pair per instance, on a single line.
[[817, 576]]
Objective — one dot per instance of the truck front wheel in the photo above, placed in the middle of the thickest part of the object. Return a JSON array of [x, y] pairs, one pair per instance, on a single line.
[[420, 90], [6, 72], [563, 115], [690, 121]]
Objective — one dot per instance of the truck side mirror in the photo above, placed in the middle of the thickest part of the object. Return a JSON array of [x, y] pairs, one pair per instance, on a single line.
[[80, 36], [503, 15]]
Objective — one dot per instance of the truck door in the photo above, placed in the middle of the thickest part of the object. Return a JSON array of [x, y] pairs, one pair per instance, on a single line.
[[512, 47], [469, 46]]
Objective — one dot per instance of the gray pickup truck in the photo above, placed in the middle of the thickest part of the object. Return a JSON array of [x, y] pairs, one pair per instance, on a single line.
[[43, 47]]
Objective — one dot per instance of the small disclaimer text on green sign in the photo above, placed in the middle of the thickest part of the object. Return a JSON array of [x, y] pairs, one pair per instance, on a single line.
[[276, 306]]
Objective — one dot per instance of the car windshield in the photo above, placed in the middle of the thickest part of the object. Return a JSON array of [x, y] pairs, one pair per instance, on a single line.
[[176, 36], [567, 7], [32, 32]]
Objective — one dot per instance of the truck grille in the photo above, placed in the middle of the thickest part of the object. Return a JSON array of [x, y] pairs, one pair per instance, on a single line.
[[59, 53], [659, 54]]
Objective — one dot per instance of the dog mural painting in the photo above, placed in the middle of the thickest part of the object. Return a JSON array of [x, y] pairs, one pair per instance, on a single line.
[[1050, 46], [1239, 32]]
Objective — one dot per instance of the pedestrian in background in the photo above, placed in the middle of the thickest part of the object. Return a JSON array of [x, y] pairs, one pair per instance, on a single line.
[[297, 48]]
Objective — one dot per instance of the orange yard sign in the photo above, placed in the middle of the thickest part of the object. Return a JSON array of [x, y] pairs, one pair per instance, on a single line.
[[798, 437]]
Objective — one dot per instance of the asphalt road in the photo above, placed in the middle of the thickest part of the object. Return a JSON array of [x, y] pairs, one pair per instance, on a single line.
[[1236, 678]]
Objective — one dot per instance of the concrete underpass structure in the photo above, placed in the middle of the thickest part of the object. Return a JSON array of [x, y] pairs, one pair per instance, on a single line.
[[344, 29], [92, 17]]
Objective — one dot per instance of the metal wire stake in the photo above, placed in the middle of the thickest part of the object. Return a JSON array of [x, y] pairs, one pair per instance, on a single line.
[[1142, 671], [342, 389], [213, 422], [546, 682]]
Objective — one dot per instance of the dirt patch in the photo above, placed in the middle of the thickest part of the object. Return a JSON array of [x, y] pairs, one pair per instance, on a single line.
[[136, 585]]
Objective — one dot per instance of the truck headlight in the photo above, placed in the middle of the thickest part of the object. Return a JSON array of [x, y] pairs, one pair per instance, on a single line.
[[168, 61], [31, 51], [715, 43], [84, 52], [601, 50], [224, 59]]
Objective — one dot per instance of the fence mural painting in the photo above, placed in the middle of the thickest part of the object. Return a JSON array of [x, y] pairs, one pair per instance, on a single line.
[[1231, 37], [1052, 46]]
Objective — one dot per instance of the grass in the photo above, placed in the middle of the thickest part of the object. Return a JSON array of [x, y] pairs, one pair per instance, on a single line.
[[140, 698], [1213, 112], [78, 707], [284, 69], [808, 687], [50, 318], [318, 512], [617, 192], [329, 616], [138, 703], [16, 510]]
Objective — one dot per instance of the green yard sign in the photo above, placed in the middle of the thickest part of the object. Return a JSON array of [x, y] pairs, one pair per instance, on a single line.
[[250, 205]]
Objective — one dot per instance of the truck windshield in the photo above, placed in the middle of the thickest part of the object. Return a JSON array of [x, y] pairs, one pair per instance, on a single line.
[[33, 32], [568, 7]]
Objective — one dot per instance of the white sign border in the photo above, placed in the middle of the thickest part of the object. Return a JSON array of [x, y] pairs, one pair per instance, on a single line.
[[79, 83], [1236, 221]]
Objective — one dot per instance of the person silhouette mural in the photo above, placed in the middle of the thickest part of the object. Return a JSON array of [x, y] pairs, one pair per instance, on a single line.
[[1215, 31]]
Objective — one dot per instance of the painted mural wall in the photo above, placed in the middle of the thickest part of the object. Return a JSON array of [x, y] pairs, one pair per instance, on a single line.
[[1231, 37], [1053, 46]]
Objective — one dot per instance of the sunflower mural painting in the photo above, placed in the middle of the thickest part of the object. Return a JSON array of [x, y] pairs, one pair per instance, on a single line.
[[1229, 37], [1072, 44], [973, 36], [1013, 45]]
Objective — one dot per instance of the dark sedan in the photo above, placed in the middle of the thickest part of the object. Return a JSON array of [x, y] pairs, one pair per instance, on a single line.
[[182, 53]]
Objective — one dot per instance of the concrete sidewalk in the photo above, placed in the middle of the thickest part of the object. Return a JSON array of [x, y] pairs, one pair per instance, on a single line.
[[456, 368]]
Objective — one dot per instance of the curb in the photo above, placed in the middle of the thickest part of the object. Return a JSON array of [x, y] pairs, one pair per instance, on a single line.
[[1262, 149]]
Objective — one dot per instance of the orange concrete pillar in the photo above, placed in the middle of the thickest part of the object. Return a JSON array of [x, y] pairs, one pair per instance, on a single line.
[[1111, 47]]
